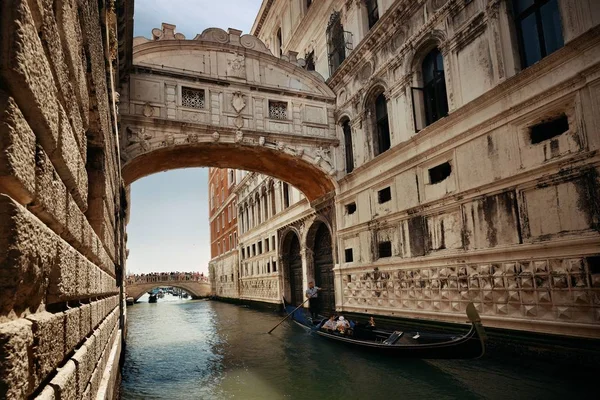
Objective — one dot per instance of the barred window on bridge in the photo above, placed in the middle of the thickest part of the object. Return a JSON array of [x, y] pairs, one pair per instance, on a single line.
[[192, 98], [278, 109]]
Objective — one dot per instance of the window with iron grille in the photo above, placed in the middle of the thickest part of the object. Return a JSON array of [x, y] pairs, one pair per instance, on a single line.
[[192, 98], [277, 109], [336, 42], [372, 12], [539, 29]]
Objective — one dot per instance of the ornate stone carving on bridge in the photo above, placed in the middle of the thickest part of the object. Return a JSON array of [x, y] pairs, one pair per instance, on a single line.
[[139, 136], [238, 103], [237, 66]]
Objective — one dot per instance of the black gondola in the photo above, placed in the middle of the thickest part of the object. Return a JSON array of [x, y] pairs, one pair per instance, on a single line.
[[406, 344]]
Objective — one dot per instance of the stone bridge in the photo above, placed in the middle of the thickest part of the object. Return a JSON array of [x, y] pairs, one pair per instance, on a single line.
[[223, 100], [138, 285]]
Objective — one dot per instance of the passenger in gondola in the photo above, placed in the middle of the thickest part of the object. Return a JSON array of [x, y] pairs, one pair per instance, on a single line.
[[371, 323], [343, 326], [330, 324]]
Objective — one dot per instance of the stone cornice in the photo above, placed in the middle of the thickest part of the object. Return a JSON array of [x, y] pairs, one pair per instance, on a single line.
[[261, 16]]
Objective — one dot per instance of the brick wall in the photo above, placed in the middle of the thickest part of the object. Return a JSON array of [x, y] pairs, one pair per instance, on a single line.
[[59, 195]]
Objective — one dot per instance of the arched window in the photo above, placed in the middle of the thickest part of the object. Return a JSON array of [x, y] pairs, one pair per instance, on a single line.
[[434, 87], [348, 146], [382, 125]]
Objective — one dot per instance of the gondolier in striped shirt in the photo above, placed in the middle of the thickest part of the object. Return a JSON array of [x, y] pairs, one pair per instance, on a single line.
[[312, 293]]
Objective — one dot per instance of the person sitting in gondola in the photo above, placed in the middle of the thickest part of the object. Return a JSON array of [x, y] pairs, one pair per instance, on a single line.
[[343, 326], [330, 324]]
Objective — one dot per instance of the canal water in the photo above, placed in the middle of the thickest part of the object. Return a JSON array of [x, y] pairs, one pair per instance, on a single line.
[[184, 349]]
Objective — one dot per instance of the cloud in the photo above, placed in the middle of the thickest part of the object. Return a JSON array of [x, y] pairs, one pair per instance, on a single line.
[[192, 17]]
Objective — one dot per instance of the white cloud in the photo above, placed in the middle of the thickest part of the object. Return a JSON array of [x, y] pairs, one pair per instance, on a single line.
[[194, 16]]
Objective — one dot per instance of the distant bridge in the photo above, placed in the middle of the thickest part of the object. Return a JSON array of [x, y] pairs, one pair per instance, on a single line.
[[196, 285]]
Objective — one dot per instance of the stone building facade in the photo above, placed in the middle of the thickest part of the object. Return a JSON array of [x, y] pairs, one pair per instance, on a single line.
[[223, 231], [61, 200], [468, 159]]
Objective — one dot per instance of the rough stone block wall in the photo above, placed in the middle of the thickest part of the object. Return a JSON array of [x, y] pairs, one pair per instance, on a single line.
[[59, 199]]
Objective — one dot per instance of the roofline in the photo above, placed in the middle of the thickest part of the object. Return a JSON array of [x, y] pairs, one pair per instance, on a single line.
[[263, 12]]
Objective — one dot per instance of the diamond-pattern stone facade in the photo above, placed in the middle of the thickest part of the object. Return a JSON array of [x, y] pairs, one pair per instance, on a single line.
[[549, 289], [260, 288]]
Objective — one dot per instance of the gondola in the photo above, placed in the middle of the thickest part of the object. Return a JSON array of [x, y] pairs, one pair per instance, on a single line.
[[404, 344]]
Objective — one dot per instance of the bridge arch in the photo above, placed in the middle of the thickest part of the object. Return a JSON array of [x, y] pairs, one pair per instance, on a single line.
[[223, 100], [194, 288]]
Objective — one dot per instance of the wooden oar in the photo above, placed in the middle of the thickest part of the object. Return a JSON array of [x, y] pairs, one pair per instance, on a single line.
[[287, 316]]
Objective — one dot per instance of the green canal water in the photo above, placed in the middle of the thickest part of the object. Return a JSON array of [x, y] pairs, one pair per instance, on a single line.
[[183, 349]]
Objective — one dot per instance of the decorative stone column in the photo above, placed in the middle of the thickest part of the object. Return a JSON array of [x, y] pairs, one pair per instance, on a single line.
[[308, 268]]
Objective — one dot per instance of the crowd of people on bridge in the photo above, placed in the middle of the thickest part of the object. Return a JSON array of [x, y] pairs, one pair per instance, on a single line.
[[166, 276]]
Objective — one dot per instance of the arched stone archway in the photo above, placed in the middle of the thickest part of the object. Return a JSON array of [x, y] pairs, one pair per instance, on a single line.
[[291, 260], [223, 100], [320, 242]]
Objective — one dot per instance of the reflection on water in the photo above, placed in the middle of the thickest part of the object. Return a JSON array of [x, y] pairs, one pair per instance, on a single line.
[[179, 349]]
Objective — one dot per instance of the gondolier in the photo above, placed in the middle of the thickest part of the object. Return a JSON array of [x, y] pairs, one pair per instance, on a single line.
[[312, 293]]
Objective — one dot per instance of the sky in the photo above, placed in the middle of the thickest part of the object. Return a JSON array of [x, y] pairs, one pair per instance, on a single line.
[[168, 228]]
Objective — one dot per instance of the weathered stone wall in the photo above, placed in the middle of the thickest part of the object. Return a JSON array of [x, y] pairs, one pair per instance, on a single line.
[[59, 198], [513, 224]]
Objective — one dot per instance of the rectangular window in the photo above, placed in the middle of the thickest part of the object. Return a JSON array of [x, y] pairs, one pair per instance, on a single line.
[[539, 29], [267, 245], [274, 266], [548, 129], [350, 208], [384, 195], [243, 253], [235, 239], [373, 12], [286, 195], [310, 61], [277, 109], [385, 249], [259, 247], [349, 255], [192, 98], [337, 42], [229, 213], [268, 267], [254, 249], [439, 173], [273, 242]]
